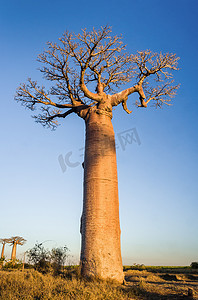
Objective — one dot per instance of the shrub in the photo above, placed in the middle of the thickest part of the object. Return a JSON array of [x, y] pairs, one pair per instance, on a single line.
[[135, 267], [46, 261], [13, 264], [40, 258], [194, 265], [58, 258]]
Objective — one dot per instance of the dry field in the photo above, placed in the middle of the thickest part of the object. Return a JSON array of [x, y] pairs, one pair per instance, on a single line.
[[163, 283], [150, 283]]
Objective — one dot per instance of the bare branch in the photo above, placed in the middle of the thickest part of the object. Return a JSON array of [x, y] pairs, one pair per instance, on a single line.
[[17, 240], [49, 117], [77, 62], [161, 94], [5, 241], [124, 105], [32, 94], [158, 67]]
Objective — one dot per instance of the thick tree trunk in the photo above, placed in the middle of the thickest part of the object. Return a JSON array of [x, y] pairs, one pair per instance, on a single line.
[[100, 226], [13, 255], [2, 251]]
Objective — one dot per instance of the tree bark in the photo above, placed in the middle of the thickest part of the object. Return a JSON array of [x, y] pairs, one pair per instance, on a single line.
[[2, 251], [100, 225], [13, 255]]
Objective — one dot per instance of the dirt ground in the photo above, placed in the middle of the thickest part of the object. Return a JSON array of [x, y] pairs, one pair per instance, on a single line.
[[163, 284]]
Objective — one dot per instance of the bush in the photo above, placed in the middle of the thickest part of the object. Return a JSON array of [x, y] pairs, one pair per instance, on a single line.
[[46, 261], [58, 258], [2, 261], [13, 264], [40, 258], [135, 267], [194, 265]]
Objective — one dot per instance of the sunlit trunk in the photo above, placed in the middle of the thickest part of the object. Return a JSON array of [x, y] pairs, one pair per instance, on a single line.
[[100, 225], [2, 251], [13, 255]]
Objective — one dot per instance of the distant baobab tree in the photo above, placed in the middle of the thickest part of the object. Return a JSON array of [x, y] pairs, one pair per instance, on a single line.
[[3, 241], [16, 240], [86, 72]]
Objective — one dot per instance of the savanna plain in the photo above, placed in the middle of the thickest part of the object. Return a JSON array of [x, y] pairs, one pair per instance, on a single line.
[[141, 282]]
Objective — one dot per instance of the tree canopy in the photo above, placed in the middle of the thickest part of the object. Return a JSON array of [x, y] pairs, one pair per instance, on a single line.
[[17, 240], [88, 68]]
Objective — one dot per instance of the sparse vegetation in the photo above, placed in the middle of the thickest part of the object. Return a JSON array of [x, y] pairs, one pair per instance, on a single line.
[[46, 261], [39, 257], [46, 276], [147, 283], [58, 258], [12, 264], [194, 265], [31, 284]]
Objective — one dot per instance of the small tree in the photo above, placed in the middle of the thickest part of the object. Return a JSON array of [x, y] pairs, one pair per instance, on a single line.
[[83, 70], [39, 257], [43, 260], [194, 265], [58, 258]]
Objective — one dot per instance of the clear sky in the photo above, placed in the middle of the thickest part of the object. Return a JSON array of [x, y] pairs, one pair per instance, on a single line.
[[158, 177]]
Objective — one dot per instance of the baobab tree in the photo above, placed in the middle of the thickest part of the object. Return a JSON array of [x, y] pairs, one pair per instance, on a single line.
[[86, 72], [3, 241], [16, 240]]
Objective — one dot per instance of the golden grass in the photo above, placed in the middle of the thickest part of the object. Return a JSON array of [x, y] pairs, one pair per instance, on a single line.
[[30, 284], [166, 285]]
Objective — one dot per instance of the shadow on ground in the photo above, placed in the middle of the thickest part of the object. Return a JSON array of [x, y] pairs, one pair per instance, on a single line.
[[144, 285]]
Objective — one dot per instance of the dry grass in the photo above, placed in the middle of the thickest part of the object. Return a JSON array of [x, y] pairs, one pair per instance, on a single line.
[[31, 284], [163, 284]]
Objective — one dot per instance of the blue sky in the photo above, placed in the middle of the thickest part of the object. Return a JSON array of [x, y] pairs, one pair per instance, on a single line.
[[157, 179]]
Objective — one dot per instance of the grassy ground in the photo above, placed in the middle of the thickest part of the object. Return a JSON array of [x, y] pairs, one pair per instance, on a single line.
[[143, 283], [163, 282], [30, 284]]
